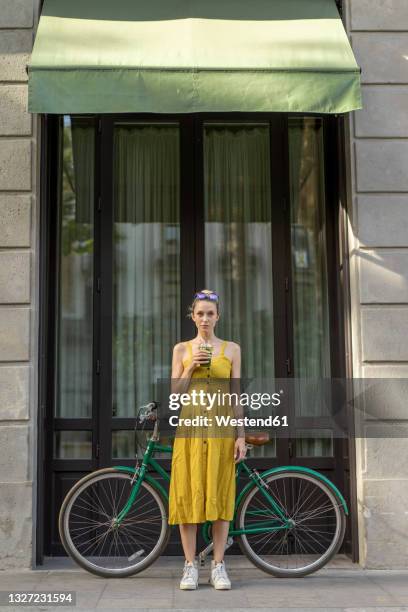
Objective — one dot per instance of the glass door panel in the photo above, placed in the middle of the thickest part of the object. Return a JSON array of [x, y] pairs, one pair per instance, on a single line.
[[311, 333], [73, 444], [238, 238], [146, 260], [75, 270], [68, 320]]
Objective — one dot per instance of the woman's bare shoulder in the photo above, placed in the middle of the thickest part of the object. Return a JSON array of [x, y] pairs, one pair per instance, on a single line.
[[180, 350], [234, 346], [180, 347], [232, 350]]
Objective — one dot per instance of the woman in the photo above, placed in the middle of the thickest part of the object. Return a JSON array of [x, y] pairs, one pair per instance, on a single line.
[[202, 485]]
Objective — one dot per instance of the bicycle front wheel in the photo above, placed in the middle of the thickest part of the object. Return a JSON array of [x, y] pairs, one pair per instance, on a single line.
[[87, 524], [315, 534]]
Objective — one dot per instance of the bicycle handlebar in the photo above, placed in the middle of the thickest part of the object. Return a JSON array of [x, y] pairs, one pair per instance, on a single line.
[[148, 412]]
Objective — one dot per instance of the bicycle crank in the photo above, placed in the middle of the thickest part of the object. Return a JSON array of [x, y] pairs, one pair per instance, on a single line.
[[203, 554]]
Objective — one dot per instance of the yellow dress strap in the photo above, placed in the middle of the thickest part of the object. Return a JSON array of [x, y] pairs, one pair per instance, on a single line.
[[190, 349], [190, 352], [224, 344]]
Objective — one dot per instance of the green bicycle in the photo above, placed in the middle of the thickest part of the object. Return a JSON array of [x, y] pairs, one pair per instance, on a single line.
[[289, 521]]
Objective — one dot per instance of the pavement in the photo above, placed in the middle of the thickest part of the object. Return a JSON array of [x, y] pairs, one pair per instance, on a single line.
[[340, 586]]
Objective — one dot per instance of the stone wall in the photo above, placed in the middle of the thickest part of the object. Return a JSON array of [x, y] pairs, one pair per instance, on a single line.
[[18, 285], [378, 236]]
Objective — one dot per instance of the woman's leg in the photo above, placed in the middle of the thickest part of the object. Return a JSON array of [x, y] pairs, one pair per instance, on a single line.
[[219, 530], [188, 532]]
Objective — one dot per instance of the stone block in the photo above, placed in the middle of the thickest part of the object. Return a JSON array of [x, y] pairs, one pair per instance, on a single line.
[[15, 525], [382, 56], [14, 277], [384, 333], [384, 506], [14, 118], [383, 276], [385, 392], [14, 392], [16, 13], [384, 112], [14, 446], [389, 555], [379, 14], [15, 165], [15, 215], [394, 370], [382, 165], [15, 49], [383, 220], [14, 334], [385, 457]]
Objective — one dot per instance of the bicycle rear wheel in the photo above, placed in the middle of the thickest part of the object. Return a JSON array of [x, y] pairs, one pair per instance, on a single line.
[[89, 536], [316, 532]]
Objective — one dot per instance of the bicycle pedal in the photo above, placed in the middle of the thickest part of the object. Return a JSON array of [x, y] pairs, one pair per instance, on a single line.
[[230, 541]]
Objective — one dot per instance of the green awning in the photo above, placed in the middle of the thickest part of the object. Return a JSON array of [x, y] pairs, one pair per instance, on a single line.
[[188, 56]]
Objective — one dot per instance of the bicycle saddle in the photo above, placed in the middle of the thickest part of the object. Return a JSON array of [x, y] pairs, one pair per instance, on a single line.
[[257, 438]]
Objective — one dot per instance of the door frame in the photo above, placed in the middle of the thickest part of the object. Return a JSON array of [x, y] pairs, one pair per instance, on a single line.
[[338, 186]]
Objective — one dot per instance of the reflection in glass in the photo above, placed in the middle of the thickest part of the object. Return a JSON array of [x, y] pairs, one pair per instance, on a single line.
[[146, 275], [309, 269], [314, 443], [308, 233], [265, 450], [238, 238], [124, 444], [75, 270], [72, 444]]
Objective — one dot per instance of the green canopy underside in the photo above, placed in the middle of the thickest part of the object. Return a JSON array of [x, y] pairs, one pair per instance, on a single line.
[[188, 56]]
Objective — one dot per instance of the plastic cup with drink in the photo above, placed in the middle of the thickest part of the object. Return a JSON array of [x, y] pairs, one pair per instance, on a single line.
[[205, 346]]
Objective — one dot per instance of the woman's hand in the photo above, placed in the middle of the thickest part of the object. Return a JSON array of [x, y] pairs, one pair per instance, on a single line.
[[239, 449], [198, 358]]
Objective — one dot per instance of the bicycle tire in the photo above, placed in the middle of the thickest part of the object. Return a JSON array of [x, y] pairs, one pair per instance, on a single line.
[[72, 551], [248, 551]]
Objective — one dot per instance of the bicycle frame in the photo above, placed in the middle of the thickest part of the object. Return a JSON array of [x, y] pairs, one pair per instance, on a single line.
[[141, 473]]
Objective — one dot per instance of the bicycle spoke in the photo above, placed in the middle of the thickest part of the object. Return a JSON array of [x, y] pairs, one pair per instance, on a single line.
[[313, 525], [92, 508], [94, 535], [311, 514]]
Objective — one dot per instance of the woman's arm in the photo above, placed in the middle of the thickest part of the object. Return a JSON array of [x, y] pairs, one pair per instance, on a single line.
[[181, 376]]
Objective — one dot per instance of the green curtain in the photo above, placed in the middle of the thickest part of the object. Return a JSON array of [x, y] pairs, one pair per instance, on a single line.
[[308, 228], [146, 261], [75, 277], [238, 239], [309, 276], [83, 155], [238, 243]]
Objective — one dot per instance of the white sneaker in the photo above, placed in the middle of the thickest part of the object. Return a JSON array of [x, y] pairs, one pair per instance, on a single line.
[[189, 580], [219, 577]]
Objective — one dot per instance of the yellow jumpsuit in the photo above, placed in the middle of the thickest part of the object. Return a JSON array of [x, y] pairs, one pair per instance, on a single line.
[[202, 483]]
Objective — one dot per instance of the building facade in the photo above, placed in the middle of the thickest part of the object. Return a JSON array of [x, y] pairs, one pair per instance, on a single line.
[[372, 234]]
